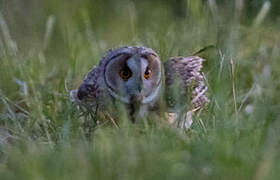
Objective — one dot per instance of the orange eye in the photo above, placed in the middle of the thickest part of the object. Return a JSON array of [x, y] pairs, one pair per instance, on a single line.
[[147, 73], [125, 74]]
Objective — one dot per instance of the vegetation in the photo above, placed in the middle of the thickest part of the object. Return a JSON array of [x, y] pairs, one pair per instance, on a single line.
[[48, 46]]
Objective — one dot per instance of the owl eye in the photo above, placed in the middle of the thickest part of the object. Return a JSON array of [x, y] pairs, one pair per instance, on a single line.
[[147, 73], [125, 74]]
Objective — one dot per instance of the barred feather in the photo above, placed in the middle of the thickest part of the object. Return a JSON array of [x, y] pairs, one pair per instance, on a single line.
[[187, 70]]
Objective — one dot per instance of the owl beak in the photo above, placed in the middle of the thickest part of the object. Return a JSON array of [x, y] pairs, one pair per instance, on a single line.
[[136, 98], [135, 92]]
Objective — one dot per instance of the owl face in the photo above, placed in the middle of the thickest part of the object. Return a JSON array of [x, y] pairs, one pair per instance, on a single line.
[[134, 75]]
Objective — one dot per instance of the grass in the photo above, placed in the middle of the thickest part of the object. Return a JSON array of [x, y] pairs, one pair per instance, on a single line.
[[47, 47]]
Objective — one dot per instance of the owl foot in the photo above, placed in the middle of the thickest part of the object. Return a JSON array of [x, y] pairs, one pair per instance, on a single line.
[[183, 122]]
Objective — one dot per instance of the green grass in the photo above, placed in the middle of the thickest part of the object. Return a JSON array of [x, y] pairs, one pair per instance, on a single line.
[[235, 137]]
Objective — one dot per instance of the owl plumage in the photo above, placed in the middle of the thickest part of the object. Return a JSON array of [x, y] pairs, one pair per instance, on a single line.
[[133, 77], [186, 70]]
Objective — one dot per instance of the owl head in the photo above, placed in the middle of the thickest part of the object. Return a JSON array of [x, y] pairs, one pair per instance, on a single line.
[[133, 74]]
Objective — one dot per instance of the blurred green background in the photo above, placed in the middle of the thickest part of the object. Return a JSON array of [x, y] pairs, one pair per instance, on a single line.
[[47, 47]]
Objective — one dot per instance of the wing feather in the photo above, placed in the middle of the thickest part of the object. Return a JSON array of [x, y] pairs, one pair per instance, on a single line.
[[186, 70], [89, 91]]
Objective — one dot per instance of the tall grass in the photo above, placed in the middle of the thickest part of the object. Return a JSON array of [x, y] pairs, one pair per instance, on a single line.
[[48, 46]]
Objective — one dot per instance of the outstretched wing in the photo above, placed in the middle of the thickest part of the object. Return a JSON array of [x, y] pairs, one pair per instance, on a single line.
[[183, 74], [89, 91]]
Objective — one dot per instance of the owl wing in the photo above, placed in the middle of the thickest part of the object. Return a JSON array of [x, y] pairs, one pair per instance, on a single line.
[[185, 72], [89, 91]]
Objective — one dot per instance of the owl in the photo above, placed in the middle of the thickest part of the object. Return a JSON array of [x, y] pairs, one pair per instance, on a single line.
[[135, 78]]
